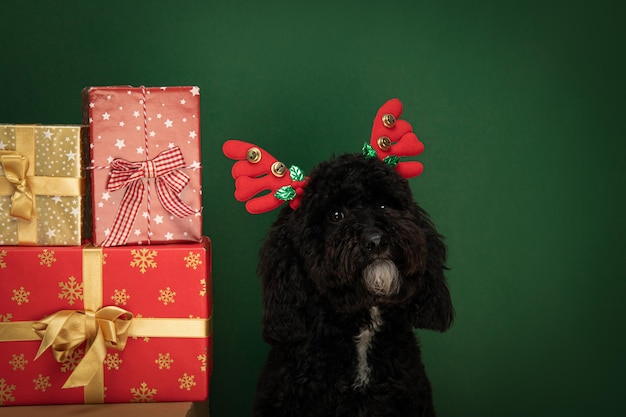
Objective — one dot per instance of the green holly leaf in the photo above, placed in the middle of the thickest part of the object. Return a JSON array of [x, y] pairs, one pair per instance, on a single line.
[[369, 151], [286, 193], [296, 173]]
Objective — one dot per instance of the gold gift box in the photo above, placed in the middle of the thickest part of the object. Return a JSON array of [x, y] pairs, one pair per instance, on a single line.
[[42, 185]]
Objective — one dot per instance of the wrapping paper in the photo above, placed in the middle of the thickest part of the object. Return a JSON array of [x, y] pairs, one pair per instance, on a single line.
[[42, 185], [145, 161], [164, 295]]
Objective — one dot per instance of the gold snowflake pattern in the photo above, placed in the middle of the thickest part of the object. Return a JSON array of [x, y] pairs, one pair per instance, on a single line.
[[5, 318], [167, 296], [3, 263], [20, 296], [71, 290], [42, 383], [192, 260], [18, 362], [186, 382], [143, 394], [202, 287], [203, 361], [164, 361], [46, 258], [6, 392], [113, 361], [72, 360], [120, 297], [143, 259]]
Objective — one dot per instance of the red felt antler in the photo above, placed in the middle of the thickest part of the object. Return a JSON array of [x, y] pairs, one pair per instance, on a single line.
[[392, 137], [255, 171]]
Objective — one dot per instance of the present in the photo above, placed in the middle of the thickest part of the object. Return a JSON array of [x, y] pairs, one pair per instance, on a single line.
[[88, 324], [42, 185], [145, 161]]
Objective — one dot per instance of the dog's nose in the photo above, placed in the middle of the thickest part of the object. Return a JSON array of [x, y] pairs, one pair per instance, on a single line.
[[374, 241]]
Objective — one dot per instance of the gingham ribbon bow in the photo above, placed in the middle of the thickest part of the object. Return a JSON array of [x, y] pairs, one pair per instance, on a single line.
[[169, 180]]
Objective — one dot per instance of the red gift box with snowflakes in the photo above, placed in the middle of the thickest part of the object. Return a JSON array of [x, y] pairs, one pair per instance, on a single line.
[[145, 161], [89, 324]]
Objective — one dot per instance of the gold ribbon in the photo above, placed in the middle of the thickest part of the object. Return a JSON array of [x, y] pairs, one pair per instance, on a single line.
[[15, 166], [100, 327], [65, 330], [22, 185]]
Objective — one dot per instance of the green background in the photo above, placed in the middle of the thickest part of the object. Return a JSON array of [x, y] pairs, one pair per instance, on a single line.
[[520, 106]]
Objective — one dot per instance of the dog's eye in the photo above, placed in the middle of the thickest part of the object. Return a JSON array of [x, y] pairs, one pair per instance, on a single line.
[[336, 216]]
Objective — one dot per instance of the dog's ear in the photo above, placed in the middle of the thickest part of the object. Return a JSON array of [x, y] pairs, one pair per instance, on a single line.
[[432, 308], [282, 283]]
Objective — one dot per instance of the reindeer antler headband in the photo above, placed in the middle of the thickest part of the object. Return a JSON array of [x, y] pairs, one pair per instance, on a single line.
[[256, 170]]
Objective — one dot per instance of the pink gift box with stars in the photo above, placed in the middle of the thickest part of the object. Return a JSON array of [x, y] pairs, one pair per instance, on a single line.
[[145, 164]]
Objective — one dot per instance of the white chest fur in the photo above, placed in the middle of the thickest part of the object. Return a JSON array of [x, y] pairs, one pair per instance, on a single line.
[[363, 342]]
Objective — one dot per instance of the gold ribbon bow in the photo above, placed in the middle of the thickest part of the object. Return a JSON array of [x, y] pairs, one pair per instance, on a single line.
[[15, 166], [65, 330]]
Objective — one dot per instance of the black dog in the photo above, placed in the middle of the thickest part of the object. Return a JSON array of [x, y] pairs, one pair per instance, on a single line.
[[346, 278]]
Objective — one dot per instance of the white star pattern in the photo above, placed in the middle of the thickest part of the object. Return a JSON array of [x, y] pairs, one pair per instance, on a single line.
[[130, 128], [57, 148]]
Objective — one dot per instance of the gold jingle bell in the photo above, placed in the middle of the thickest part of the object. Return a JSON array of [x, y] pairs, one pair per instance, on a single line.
[[384, 143], [388, 120], [254, 155], [279, 169]]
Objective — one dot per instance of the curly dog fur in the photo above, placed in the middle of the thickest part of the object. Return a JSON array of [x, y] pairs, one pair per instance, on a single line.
[[346, 278]]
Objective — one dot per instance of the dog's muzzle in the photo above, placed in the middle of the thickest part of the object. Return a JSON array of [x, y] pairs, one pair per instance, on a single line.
[[381, 277]]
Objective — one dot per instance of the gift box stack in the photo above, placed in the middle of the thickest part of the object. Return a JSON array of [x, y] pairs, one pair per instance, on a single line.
[[105, 277]]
